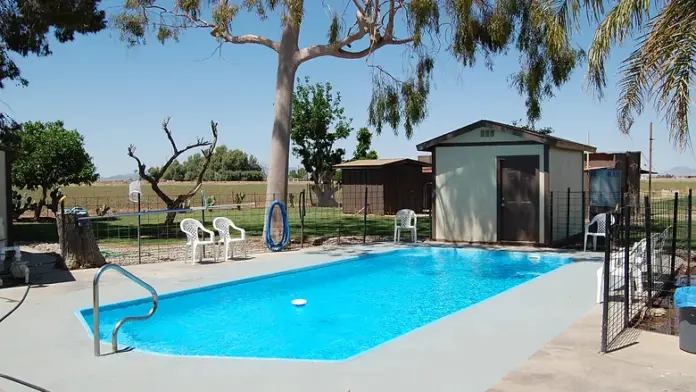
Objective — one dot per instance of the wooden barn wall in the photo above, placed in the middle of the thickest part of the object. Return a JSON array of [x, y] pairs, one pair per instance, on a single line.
[[354, 183], [403, 188]]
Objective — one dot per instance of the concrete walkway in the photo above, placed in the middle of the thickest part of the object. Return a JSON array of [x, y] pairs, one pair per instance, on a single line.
[[471, 350], [572, 362]]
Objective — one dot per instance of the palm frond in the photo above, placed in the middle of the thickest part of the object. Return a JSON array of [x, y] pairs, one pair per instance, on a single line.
[[674, 47], [663, 69], [568, 11], [626, 18], [633, 86]]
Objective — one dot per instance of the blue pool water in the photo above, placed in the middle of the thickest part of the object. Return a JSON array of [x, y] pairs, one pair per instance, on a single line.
[[353, 305]]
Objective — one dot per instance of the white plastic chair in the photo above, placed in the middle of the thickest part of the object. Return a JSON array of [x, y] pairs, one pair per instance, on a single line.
[[601, 220], [192, 228], [405, 220], [223, 225], [636, 260]]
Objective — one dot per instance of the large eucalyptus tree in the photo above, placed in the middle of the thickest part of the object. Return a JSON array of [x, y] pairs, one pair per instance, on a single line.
[[467, 29]]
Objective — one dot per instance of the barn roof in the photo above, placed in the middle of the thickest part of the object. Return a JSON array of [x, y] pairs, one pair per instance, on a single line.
[[363, 163], [511, 129]]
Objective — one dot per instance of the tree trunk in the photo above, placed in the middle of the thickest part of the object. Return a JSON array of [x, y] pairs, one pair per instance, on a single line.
[[173, 205], [325, 195], [169, 220], [40, 205], [77, 243], [277, 182]]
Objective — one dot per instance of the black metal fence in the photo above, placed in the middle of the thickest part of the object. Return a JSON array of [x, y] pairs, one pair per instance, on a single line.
[[316, 217], [647, 255]]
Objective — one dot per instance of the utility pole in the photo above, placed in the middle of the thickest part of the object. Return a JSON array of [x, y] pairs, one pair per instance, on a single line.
[[587, 153], [650, 163]]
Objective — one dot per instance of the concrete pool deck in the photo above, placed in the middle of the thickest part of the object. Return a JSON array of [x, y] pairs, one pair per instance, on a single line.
[[570, 362], [471, 350]]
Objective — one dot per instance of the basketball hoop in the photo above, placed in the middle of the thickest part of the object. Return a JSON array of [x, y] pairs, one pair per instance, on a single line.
[[134, 191]]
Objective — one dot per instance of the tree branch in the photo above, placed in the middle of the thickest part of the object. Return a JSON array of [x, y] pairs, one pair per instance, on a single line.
[[154, 180], [176, 152], [367, 26], [216, 31], [154, 183], [207, 155], [245, 39]]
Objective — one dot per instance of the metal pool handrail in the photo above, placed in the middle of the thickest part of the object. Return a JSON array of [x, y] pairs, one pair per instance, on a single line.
[[95, 305]]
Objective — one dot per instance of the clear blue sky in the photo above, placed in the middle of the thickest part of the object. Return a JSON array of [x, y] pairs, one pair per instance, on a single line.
[[116, 96]]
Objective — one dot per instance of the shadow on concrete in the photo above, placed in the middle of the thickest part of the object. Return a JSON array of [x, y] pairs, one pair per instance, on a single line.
[[627, 338], [46, 268]]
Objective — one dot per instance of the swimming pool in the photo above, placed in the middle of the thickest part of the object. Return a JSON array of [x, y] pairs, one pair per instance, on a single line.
[[353, 304]]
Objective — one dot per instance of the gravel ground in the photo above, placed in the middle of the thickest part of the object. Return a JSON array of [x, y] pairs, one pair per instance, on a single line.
[[128, 255]]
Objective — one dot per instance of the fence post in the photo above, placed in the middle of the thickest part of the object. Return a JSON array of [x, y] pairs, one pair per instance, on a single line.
[[340, 221], [139, 240], [688, 242], [605, 284], [627, 239], [203, 210], [648, 247], [584, 205], [550, 217], [674, 237], [568, 215], [302, 216], [365, 218], [62, 212]]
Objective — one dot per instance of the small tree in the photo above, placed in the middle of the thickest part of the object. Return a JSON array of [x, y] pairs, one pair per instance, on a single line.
[[51, 156], [362, 151], [153, 177], [315, 111]]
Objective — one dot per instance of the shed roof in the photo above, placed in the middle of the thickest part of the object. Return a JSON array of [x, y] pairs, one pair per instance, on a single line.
[[511, 129], [588, 169], [363, 163]]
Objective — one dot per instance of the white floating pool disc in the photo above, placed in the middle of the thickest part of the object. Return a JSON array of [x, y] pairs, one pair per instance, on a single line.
[[299, 302]]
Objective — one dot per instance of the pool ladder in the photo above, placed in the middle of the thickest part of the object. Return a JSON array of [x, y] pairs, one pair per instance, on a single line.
[[95, 305]]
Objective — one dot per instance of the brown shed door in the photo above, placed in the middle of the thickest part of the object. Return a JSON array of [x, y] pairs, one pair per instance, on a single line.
[[518, 198]]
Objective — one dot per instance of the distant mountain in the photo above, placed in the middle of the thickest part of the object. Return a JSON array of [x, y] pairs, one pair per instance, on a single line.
[[682, 171], [120, 177]]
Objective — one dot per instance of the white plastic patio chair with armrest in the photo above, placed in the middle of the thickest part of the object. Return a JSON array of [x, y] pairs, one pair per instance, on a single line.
[[405, 220], [194, 240], [223, 225], [601, 220], [636, 258]]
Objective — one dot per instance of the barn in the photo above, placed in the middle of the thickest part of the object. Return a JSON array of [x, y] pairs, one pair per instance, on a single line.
[[391, 184], [493, 183]]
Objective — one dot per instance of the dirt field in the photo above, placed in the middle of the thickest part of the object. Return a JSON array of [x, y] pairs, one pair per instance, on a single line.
[[120, 188], [669, 184]]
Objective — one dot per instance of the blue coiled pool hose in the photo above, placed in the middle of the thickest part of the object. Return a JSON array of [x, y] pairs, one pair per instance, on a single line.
[[273, 246]]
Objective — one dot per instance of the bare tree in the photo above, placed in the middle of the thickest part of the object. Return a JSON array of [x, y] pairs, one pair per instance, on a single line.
[[468, 30], [153, 177]]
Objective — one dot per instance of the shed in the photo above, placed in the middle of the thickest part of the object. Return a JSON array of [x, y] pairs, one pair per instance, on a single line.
[[392, 185], [493, 183]]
